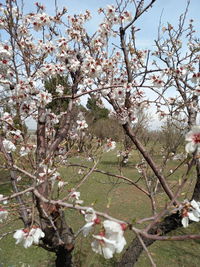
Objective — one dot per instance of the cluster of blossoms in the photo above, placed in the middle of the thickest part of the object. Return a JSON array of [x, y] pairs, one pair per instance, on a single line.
[[16, 135], [9, 146], [111, 18], [190, 211], [92, 67], [157, 81], [110, 240], [5, 56], [51, 70], [29, 236], [38, 20], [181, 72], [76, 30], [137, 59]]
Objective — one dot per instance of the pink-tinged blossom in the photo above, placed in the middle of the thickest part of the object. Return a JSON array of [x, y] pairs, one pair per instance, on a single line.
[[110, 10], [195, 77], [110, 145], [81, 124], [193, 139], [157, 82], [74, 197], [3, 214], [190, 212], [9, 146], [16, 135], [126, 16]]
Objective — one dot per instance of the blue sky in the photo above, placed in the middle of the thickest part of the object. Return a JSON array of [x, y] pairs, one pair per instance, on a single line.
[[148, 23]]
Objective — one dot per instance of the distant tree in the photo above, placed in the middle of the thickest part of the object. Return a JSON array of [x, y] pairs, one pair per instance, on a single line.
[[60, 102], [107, 128], [172, 135], [95, 111]]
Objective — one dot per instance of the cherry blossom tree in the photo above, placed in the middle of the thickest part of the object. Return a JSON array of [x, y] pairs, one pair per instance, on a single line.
[[107, 65]]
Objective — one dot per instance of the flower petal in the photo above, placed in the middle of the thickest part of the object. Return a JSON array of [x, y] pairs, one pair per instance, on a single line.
[[190, 147], [185, 222]]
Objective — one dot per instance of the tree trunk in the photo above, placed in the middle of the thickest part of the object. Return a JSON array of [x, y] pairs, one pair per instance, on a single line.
[[63, 258], [196, 193]]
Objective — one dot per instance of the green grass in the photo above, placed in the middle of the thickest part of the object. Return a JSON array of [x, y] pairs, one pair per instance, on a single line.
[[115, 197]]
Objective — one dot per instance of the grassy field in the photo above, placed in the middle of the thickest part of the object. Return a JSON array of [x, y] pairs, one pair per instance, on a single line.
[[111, 195]]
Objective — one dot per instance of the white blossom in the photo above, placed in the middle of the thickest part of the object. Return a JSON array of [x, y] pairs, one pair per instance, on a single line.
[[60, 89], [61, 184], [114, 231], [91, 219], [110, 241], [81, 124], [28, 236], [193, 139], [24, 151], [4, 201], [74, 197], [9, 146], [190, 211], [103, 246]]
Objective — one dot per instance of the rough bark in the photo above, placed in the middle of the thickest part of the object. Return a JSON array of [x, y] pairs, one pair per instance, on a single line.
[[196, 193], [58, 235]]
